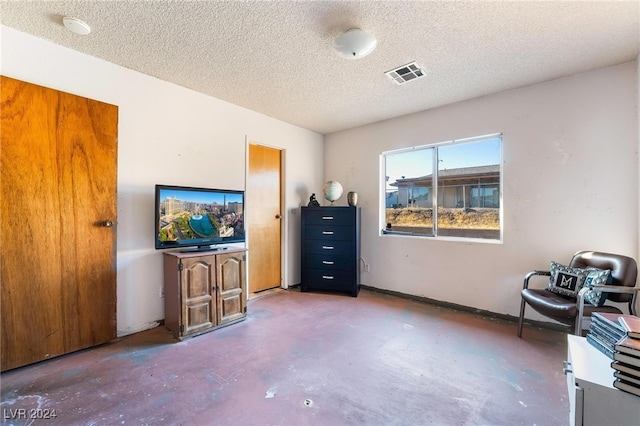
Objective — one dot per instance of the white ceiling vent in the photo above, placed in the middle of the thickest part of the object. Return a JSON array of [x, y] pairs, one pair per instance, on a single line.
[[405, 73]]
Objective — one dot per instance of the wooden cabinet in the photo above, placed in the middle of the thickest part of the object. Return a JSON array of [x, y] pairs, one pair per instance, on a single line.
[[204, 290], [592, 397], [331, 249]]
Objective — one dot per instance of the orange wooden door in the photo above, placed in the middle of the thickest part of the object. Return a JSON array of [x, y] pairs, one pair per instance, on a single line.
[[58, 155], [264, 217]]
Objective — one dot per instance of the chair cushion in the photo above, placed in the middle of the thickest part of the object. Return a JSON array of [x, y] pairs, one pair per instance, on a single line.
[[550, 304], [558, 307], [566, 280]]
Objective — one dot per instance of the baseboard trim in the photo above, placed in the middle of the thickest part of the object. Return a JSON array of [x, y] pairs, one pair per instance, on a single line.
[[455, 306]]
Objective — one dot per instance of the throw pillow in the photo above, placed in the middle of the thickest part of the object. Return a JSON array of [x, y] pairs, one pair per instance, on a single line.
[[597, 277], [566, 280]]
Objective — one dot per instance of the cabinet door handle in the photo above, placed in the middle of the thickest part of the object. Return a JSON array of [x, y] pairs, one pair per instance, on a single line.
[[327, 247], [327, 217], [327, 262], [327, 277], [327, 232]]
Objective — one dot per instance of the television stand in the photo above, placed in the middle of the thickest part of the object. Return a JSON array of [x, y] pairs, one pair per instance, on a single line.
[[204, 291]]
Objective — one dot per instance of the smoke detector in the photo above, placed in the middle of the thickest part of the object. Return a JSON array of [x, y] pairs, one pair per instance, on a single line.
[[405, 73], [75, 25]]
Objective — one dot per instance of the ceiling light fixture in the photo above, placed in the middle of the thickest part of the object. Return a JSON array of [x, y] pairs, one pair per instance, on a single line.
[[355, 44], [75, 25]]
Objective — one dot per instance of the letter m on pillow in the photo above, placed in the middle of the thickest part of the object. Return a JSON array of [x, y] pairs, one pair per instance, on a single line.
[[567, 281]]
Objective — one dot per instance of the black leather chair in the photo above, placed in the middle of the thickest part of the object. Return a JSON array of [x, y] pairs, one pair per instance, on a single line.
[[571, 311]]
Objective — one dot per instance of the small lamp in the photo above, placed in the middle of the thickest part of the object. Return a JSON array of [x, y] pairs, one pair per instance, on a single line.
[[355, 44]]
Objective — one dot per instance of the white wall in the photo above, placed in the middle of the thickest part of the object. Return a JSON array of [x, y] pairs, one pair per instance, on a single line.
[[172, 135], [570, 152]]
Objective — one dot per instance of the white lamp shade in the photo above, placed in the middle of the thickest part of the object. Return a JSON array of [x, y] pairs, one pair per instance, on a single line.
[[355, 44]]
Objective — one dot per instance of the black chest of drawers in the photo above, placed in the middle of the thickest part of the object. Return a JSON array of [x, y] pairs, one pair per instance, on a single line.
[[331, 249]]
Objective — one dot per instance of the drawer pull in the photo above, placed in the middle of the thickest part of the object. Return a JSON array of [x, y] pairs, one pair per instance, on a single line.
[[327, 232], [327, 262], [327, 247], [566, 368], [327, 277], [327, 217]]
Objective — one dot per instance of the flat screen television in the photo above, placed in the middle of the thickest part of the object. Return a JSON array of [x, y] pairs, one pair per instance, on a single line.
[[192, 219]]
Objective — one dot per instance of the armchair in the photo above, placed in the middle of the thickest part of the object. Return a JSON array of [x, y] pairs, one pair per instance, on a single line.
[[571, 311]]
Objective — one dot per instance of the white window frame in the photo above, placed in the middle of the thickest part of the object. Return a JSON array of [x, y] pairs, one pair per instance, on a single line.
[[434, 191]]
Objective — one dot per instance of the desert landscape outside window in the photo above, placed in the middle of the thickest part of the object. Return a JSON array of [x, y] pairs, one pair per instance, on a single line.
[[463, 178]]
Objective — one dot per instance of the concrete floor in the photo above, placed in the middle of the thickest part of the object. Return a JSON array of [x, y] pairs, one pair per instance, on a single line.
[[308, 359]]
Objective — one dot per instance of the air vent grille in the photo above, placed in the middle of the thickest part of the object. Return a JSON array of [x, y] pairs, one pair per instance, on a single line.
[[405, 73]]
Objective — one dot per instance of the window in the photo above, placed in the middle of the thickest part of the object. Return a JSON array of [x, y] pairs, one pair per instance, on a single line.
[[463, 178]]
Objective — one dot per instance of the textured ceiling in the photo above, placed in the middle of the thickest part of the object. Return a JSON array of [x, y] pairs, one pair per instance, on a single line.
[[276, 57]]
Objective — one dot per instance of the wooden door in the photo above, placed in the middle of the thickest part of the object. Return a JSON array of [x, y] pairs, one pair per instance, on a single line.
[[264, 218], [197, 289], [58, 155], [231, 283]]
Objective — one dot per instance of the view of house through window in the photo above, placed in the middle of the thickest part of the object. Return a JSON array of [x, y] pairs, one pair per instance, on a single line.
[[462, 178]]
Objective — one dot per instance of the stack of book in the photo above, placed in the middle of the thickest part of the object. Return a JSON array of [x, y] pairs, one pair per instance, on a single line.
[[605, 331], [626, 356]]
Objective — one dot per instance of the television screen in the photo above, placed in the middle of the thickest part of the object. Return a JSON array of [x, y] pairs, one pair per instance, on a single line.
[[198, 217]]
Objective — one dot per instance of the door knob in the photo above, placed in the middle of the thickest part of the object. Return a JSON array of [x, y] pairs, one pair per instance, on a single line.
[[107, 223], [278, 216]]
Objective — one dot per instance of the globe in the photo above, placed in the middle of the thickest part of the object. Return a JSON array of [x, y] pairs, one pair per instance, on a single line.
[[332, 191]]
